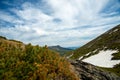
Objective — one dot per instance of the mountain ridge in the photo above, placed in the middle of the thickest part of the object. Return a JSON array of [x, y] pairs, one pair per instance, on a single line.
[[59, 49]]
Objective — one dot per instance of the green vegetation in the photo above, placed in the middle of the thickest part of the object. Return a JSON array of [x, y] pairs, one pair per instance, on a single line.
[[116, 56], [15, 41], [2, 37], [27, 62]]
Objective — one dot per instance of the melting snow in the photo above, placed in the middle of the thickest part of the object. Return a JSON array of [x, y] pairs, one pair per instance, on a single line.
[[70, 56], [87, 54], [115, 30], [80, 58], [95, 50], [103, 59]]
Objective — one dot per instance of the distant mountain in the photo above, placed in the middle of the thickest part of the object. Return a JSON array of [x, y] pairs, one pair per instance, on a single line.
[[19, 61], [103, 51], [73, 48], [59, 49]]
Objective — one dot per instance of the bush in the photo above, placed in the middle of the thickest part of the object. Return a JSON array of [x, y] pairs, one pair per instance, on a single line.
[[32, 63]]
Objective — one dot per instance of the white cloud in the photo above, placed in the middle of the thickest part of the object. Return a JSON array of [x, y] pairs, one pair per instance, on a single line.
[[6, 16], [77, 10], [79, 21]]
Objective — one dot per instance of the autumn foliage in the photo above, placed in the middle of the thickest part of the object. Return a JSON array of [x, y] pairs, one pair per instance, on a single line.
[[26, 62]]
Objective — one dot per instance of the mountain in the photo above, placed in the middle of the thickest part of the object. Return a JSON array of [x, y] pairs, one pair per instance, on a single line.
[[73, 48], [59, 49], [103, 51], [19, 61]]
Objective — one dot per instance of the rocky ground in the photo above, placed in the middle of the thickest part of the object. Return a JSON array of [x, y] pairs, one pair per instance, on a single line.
[[90, 72]]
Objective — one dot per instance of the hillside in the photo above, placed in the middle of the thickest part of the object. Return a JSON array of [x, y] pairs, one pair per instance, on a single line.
[[59, 49], [26, 62], [19, 61], [103, 51], [108, 40]]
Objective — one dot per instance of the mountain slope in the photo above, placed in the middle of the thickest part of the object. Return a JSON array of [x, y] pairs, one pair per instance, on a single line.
[[104, 51], [59, 49], [108, 40]]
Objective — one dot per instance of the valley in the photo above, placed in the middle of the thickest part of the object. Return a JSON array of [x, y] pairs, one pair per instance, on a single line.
[[99, 59]]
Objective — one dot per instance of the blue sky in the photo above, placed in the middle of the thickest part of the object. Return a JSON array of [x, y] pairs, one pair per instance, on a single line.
[[68, 23]]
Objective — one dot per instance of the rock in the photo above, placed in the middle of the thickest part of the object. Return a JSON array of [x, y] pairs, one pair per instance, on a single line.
[[88, 71]]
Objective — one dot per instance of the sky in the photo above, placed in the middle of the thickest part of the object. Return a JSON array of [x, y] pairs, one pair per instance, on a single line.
[[69, 23]]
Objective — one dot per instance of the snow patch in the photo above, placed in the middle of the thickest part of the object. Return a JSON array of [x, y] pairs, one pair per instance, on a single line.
[[88, 54], [80, 58], [115, 30], [105, 48], [95, 50], [103, 59], [84, 55], [70, 56]]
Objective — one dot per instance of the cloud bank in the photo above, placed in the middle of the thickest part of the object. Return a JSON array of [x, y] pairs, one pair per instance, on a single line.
[[58, 22]]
